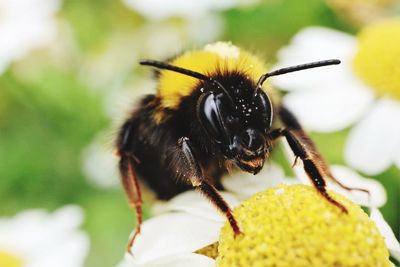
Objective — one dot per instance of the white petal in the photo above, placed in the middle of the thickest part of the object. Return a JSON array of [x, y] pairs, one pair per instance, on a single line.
[[325, 41], [350, 178], [68, 252], [391, 242], [58, 227], [193, 260], [99, 164], [26, 226], [128, 261], [43, 239], [156, 9], [334, 108], [373, 144], [34, 229], [313, 44], [211, 28], [245, 184], [179, 260], [194, 203], [166, 33], [173, 233], [25, 25]]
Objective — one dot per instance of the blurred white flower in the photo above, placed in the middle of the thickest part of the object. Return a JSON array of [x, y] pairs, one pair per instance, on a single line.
[[160, 9], [188, 222], [25, 25], [35, 238], [364, 90], [100, 163]]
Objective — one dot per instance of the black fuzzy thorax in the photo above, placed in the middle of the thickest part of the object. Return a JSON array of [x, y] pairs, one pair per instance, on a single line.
[[151, 145]]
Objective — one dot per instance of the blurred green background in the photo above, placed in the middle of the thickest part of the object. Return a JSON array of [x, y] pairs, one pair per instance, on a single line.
[[60, 106]]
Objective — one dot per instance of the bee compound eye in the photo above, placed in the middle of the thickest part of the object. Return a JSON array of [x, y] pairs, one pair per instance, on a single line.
[[211, 117], [262, 115]]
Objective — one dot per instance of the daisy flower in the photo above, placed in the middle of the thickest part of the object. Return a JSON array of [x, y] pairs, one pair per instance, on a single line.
[[188, 232], [35, 238], [364, 90], [25, 25]]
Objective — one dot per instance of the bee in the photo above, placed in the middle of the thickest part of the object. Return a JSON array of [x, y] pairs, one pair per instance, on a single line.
[[211, 114]]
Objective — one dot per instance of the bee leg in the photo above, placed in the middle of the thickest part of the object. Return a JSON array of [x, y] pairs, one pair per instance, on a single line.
[[291, 122], [192, 174], [132, 190], [303, 148], [312, 166]]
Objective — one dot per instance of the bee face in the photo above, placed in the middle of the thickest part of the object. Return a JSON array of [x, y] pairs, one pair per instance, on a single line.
[[238, 123]]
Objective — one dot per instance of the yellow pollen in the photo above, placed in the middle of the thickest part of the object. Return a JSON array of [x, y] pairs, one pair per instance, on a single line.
[[377, 58], [10, 260], [295, 226]]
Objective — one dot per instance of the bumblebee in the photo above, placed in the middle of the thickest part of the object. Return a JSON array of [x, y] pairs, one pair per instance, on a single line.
[[210, 114]]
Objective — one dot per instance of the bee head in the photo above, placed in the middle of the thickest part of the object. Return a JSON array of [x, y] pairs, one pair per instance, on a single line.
[[237, 121]]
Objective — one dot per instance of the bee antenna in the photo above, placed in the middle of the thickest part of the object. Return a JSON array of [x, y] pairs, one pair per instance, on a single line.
[[191, 73], [305, 66]]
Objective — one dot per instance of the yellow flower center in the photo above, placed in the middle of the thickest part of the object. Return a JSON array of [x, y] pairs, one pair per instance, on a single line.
[[377, 58], [295, 226], [10, 260]]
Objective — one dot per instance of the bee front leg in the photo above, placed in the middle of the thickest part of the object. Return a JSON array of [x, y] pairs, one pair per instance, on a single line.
[[193, 174], [304, 148], [291, 122]]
